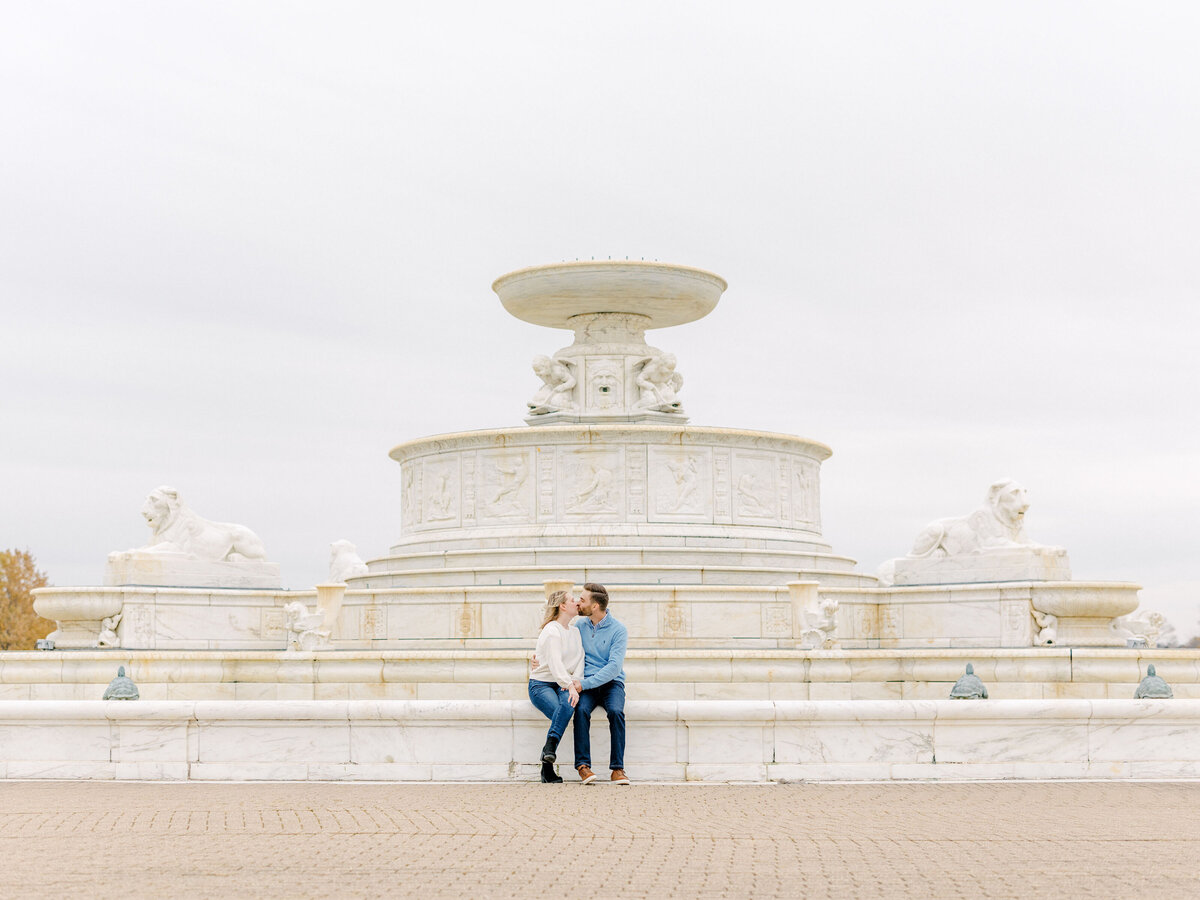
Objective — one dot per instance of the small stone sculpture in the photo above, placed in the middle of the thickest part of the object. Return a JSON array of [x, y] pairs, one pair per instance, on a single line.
[[969, 687], [121, 688], [558, 385], [108, 632], [1153, 688], [658, 383], [820, 626], [1142, 631], [1048, 628], [303, 629], [344, 562]]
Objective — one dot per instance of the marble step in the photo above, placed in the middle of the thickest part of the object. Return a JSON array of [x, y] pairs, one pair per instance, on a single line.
[[614, 574], [574, 557], [614, 536], [500, 673]]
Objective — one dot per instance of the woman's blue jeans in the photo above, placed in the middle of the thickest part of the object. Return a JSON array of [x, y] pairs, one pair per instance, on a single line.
[[554, 703]]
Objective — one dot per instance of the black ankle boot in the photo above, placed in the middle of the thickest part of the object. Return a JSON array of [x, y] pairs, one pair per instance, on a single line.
[[549, 776], [550, 750]]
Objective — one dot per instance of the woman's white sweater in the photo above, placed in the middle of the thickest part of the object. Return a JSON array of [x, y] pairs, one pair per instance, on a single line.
[[560, 655]]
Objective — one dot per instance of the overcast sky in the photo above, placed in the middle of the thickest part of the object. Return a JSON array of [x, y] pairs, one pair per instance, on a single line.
[[247, 248]]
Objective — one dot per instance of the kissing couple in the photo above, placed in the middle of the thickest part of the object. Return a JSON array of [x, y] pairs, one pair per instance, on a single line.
[[577, 666]]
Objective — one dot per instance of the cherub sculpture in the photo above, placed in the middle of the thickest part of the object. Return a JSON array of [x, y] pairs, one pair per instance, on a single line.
[[558, 385], [302, 629], [819, 631], [108, 631], [1047, 628], [658, 384]]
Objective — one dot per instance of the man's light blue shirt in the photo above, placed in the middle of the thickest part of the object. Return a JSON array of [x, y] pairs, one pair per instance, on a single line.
[[603, 650]]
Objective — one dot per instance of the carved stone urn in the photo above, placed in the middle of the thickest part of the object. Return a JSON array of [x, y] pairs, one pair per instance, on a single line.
[[78, 613], [1086, 611]]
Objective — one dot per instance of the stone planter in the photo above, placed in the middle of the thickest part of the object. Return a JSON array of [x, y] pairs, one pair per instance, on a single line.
[[78, 613], [1086, 611]]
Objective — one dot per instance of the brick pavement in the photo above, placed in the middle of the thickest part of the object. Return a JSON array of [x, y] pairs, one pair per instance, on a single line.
[[515, 840]]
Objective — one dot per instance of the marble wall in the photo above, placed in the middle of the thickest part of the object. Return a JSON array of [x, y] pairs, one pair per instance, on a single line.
[[713, 610], [668, 740]]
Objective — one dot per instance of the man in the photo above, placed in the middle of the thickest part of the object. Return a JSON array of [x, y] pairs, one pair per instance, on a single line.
[[603, 685]]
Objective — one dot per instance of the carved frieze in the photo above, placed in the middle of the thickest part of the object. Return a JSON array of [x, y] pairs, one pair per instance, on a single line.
[[624, 480], [440, 489], [680, 484], [373, 623], [777, 620], [806, 494], [506, 486], [591, 483], [755, 491], [635, 482]]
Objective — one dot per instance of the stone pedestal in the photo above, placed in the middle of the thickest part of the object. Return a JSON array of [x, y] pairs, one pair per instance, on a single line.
[[1010, 564], [329, 600], [552, 586], [157, 569]]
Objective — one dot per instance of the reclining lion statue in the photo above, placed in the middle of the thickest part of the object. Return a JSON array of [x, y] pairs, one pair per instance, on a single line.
[[989, 544], [999, 523], [176, 528]]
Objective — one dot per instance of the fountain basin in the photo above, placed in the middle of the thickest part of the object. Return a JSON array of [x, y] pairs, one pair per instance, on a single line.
[[664, 294]]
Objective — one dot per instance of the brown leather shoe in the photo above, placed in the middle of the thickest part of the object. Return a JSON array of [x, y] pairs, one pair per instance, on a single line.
[[619, 777], [586, 775]]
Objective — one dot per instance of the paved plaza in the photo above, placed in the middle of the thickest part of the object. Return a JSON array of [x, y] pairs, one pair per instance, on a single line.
[[531, 840]]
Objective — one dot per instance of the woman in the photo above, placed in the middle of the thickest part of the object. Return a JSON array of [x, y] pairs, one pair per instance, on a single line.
[[554, 682]]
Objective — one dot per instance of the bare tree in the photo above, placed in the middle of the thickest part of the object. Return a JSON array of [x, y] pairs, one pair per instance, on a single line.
[[20, 626]]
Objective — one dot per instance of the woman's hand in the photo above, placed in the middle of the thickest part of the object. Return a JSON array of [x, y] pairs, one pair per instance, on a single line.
[[573, 695]]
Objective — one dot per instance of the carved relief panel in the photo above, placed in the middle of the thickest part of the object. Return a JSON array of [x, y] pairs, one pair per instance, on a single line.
[[440, 493], [755, 488], [806, 494], [680, 484], [674, 621], [506, 486], [777, 620], [410, 495], [590, 484]]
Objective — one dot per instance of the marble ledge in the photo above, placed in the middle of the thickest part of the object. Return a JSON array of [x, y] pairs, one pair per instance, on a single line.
[[1100, 709]]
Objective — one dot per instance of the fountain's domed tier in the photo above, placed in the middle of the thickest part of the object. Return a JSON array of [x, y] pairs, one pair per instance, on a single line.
[[664, 294], [628, 503]]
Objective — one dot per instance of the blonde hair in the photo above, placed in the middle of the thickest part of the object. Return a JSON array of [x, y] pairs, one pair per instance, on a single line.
[[557, 599]]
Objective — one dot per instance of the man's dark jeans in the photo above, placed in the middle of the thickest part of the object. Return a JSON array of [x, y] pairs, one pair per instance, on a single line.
[[611, 698]]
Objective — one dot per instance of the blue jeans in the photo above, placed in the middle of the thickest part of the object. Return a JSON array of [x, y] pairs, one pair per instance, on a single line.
[[611, 697], [554, 703]]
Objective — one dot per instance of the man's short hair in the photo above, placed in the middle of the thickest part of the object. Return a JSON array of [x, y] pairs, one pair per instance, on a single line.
[[599, 594]]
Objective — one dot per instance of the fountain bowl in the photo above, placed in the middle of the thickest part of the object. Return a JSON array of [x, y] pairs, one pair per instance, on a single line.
[[664, 294]]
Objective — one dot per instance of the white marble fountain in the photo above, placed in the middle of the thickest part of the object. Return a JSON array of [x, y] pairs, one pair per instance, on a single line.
[[756, 650]]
